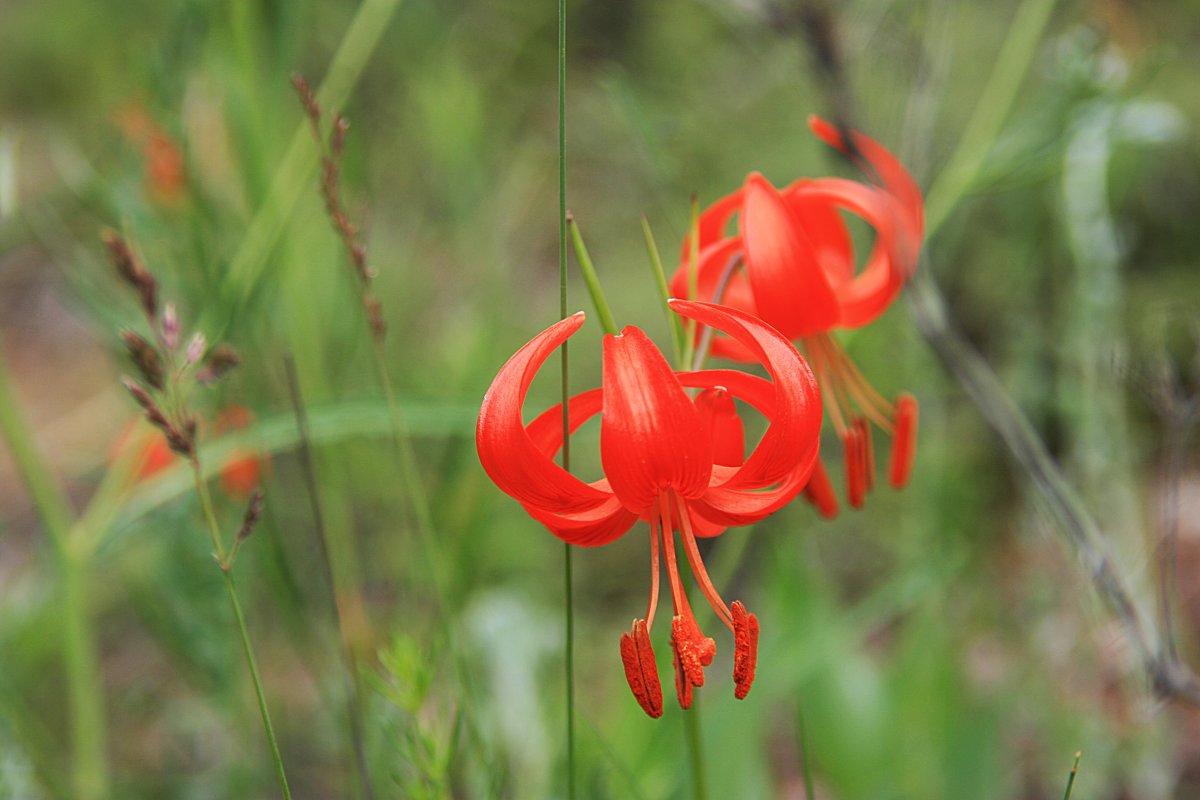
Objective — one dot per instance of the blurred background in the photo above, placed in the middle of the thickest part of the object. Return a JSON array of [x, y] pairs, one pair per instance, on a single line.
[[943, 642]]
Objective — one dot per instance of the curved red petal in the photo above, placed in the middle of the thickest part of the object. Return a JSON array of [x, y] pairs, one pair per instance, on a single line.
[[592, 528], [792, 436], [714, 260], [509, 456], [826, 230], [712, 222], [870, 292], [648, 436], [790, 289], [720, 420], [895, 178], [546, 430]]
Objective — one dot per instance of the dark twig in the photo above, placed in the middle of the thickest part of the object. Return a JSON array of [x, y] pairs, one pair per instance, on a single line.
[[1169, 677]]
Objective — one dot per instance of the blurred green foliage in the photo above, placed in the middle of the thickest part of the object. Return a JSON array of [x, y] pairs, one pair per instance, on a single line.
[[936, 644]]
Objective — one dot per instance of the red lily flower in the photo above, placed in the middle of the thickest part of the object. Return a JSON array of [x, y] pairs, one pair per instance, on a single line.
[[675, 461], [797, 272], [240, 475]]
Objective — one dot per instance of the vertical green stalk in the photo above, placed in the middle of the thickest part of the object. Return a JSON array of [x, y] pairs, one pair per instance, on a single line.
[[89, 766], [1071, 777], [214, 533], [354, 704], [566, 449], [691, 729]]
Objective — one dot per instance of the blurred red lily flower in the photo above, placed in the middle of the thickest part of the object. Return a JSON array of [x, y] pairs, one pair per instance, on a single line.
[[792, 263], [675, 461], [241, 473]]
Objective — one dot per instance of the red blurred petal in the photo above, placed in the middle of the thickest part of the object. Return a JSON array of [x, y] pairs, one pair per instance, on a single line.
[[648, 438], [790, 289], [870, 292], [719, 418], [895, 178], [714, 260], [712, 224]]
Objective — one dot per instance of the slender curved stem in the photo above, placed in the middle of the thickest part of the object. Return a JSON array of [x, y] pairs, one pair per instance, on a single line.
[[214, 533]]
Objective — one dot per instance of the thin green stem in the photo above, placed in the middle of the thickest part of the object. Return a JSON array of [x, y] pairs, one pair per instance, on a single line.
[[214, 533], [566, 440], [693, 276], [89, 766], [1071, 777], [590, 279], [805, 762], [691, 730], [354, 703], [414, 489], [664, 291], [1016, 54]]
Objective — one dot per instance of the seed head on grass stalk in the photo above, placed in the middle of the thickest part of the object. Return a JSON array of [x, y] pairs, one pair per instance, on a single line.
[[166, 374], [332, 148]]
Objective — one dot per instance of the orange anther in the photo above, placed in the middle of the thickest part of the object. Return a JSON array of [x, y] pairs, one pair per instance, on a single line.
[[693, 652], [640, 669], [819, 492], [868, 451], [745, 649], [904, 443], [856, 479]]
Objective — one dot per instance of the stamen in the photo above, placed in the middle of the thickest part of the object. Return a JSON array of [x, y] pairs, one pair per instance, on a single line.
[[819, 492], [693, 652], [856, 479], [904, 444], [828, 380], [640, 669], [654, 570], [678, 597], [745, 649], [868, 451], [872, 404], [698, 570]]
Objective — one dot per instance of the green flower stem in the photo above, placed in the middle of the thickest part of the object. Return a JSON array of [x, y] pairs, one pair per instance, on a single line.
[[569, 611], [214, 533], [350, 647], [693, 275], [89, 765], [991, 110], [1071, 777], [589, 278], [691, 725], [664, 292]]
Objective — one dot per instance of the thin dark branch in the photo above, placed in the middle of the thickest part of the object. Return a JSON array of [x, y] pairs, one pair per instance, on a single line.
[[1167, 675]]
